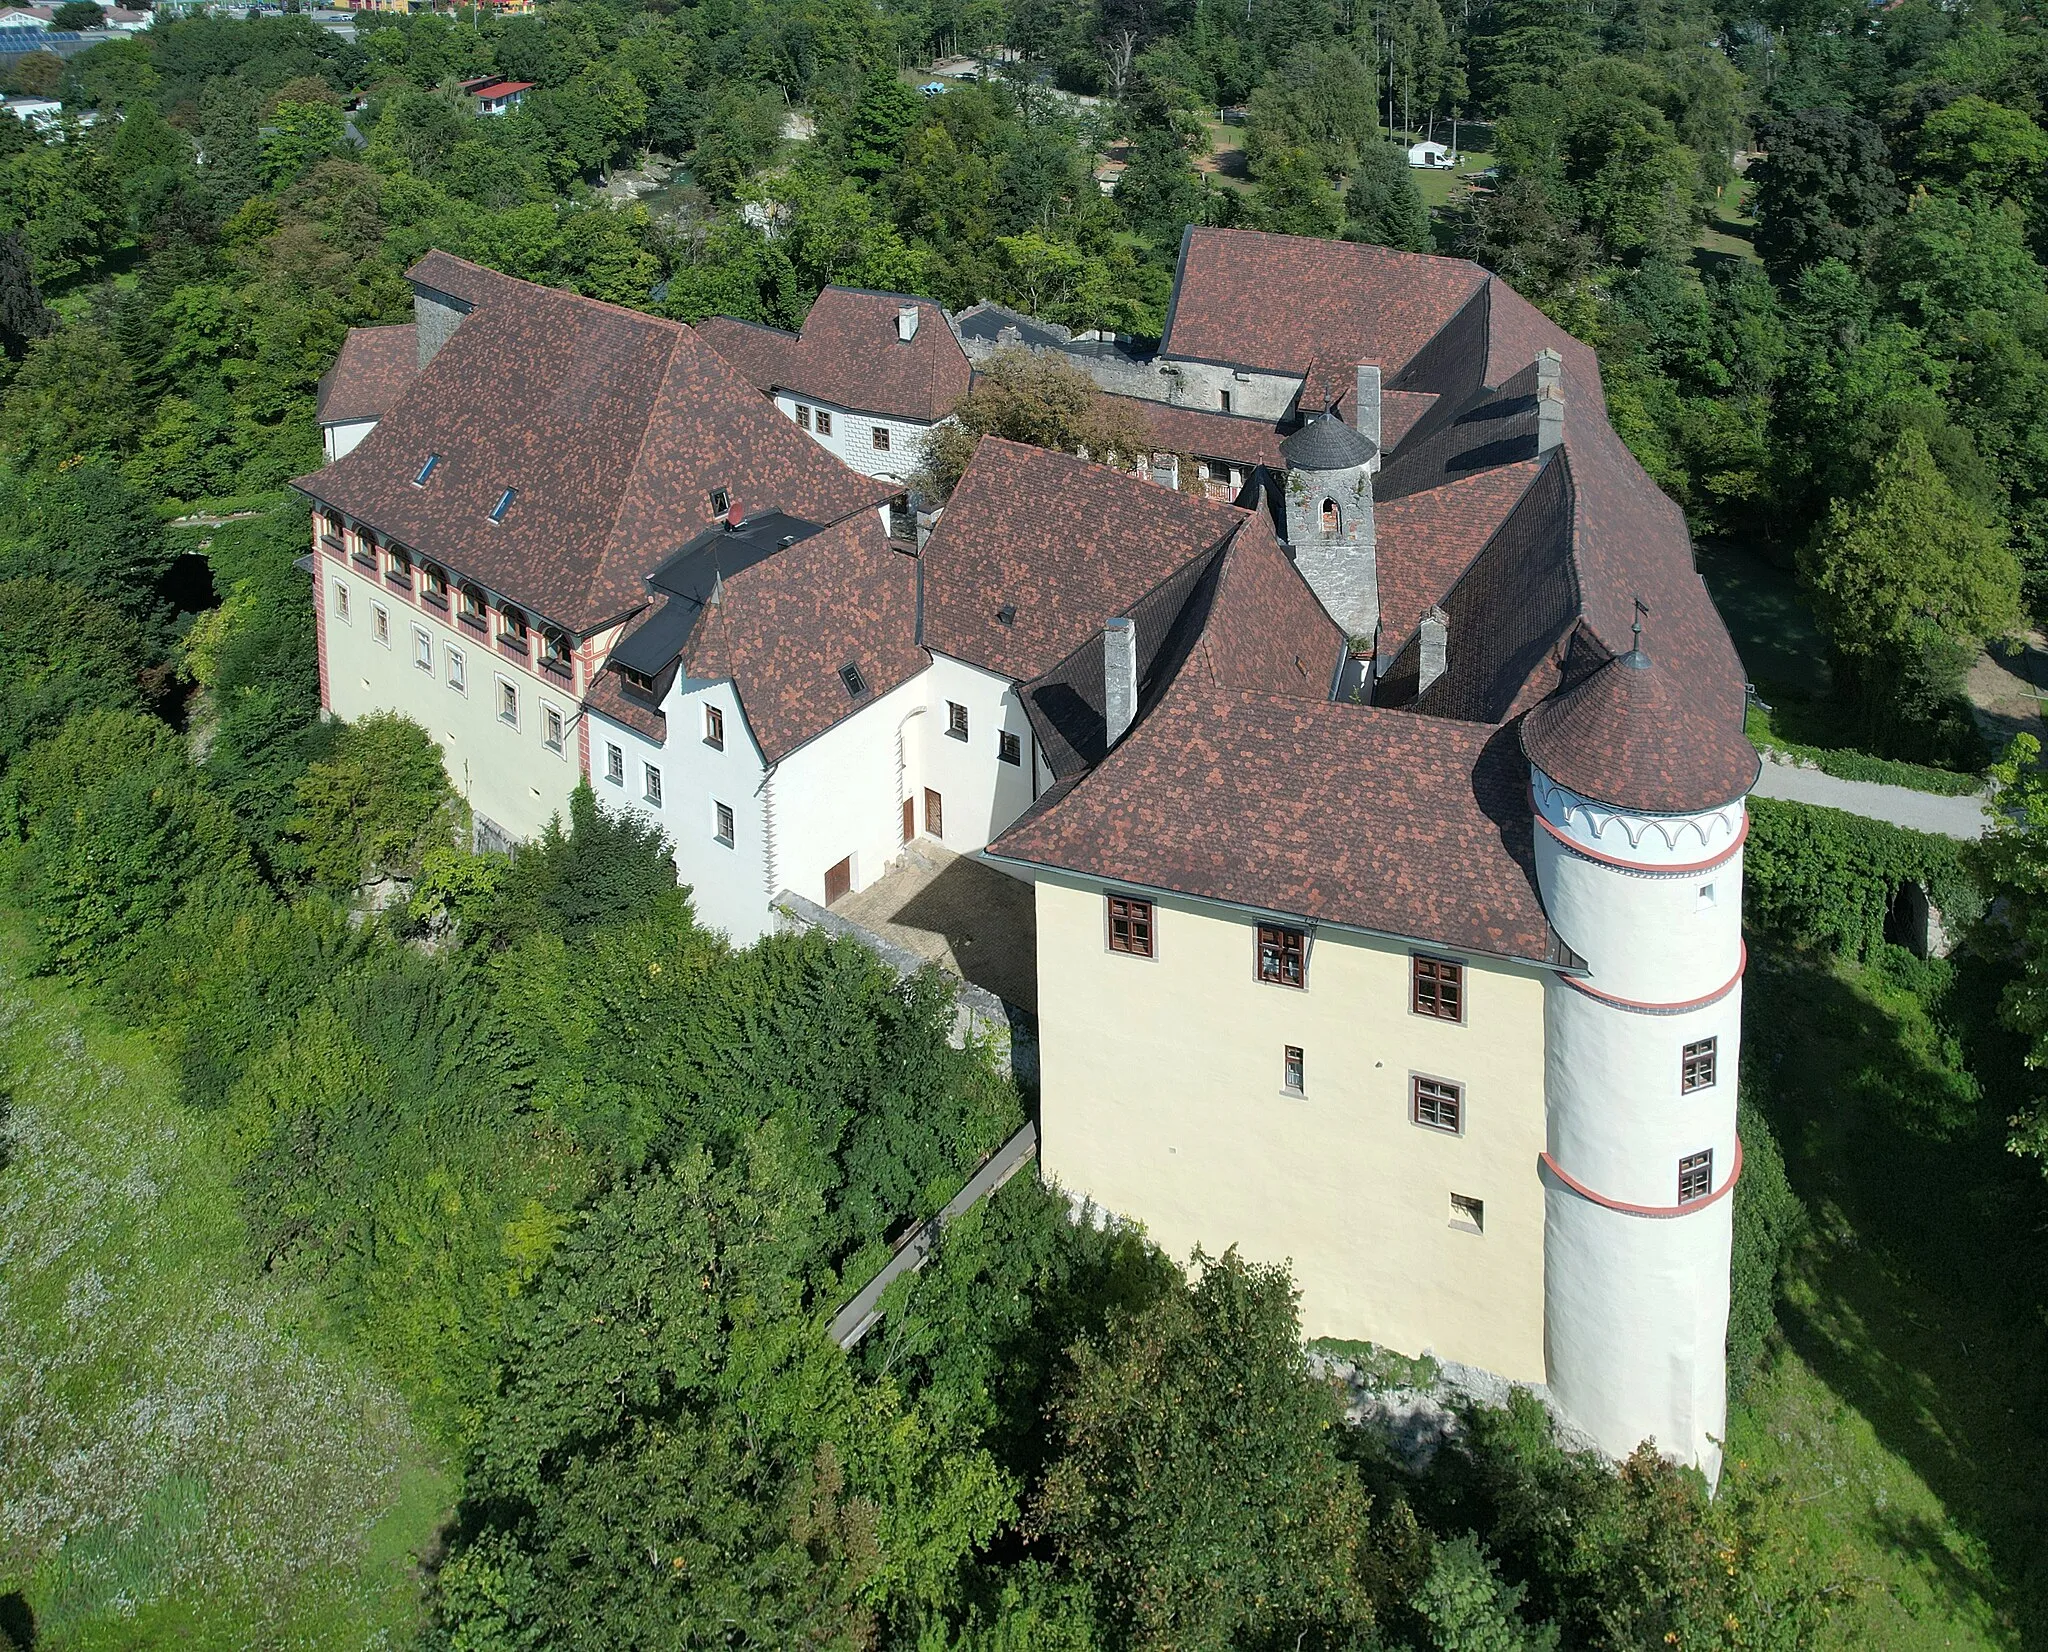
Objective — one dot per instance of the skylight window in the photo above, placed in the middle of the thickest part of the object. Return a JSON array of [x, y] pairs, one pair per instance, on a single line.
[[504, 504], [426, 470], [856, 684]]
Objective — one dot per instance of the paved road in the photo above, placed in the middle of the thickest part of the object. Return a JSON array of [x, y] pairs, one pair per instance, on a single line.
[[1963, 817], [861, 1315]]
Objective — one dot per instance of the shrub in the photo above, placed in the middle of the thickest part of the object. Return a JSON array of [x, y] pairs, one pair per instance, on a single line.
[[374, 806], [1828, 878]]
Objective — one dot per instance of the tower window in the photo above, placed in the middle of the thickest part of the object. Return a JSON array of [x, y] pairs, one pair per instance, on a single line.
[[1437, 1104], [1696, 1067], [1283, 956], [1330, 520], [1291, 1070], [1695, 1176], [1130, 926], [1438, 989], [1706, 903]]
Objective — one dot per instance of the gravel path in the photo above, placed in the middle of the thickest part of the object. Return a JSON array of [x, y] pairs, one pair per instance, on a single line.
[[1963, 817]]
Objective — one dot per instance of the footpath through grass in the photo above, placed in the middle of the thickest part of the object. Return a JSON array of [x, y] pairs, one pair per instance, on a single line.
[[1909, 1417], [184, 1460]]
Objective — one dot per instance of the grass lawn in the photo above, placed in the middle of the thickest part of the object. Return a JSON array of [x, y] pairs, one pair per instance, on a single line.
[[1909, 1415], [187, 1461], [1730, 230]]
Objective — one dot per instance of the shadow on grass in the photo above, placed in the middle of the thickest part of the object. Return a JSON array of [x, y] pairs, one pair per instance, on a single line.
[[1922, 1297]]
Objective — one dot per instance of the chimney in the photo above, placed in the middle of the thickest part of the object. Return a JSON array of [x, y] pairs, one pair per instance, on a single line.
[[906, 323], [1549, 400], [1365, 411], [1119, 679], [1436, 650]]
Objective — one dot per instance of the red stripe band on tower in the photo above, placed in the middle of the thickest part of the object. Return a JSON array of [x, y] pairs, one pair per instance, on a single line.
[[1640, 1006], [1660, 1212], [1619, 864]]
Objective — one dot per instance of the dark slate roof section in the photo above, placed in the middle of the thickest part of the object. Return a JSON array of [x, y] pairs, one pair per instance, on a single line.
[[1490, 429], [849, 354], [985, 323], [1065, 543], [1287, 304], [1356, 815], [1326, 442], [1516, 330], [1631, 734], [786, 625], [1427, 540], [370, 374], [1206, 435], [691, 578], [616, 428], [1516, 601]]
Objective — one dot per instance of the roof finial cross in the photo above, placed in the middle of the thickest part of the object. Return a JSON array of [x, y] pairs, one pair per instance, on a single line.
[[1636, 630]]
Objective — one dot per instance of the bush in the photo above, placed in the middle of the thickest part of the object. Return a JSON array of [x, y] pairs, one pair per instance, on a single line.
[[1768, 1222], [1827, 878], [374, 806]]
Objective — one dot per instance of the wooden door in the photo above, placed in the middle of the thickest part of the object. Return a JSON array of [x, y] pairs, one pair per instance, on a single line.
[[839, 880], [909, 818], [934, 814]]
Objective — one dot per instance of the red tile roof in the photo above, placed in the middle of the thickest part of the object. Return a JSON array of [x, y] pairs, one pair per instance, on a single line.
[[372, 371], [501, 88], [1265, 629], [1426, 540], [785, 626], [1630, 733], [1357, 815], [1207, 435], [615, 428], [849, 354], [1064, 542]]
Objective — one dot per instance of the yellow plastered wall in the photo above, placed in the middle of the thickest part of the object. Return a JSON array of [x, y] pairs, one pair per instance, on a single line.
[[1162, 1100]]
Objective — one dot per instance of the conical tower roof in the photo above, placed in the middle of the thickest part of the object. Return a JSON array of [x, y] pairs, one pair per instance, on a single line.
[[1326, 442], [1629, 735]]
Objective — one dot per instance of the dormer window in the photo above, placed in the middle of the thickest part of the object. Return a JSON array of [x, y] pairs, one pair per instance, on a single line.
[[512, 628], [426, 470], [638, 681], [434, 584], [856, 684], [504, 504], [472, 605], [554, 652]]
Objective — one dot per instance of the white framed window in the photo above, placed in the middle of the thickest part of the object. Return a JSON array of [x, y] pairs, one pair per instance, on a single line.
[[614, 764], [380, 623], [881, 438], [721, 823], [553, 726], [1706, 898], [458, 669], [803, 417], [422, 648], [508, 702], [341, 603], [824, 422], [650, 787], [1292, 1070], [714, 728]]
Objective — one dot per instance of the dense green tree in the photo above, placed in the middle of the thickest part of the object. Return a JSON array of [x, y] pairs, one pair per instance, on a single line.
[[1319, 101], [61, 652], [1825, 183], [23, 315], [1383, 205], [1041, 400], [374, 805], [78, 15]]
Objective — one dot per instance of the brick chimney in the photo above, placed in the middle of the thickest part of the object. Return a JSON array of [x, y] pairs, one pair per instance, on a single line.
[[1436, 648], [906, 323], [1549, 400], [1365, 409], [1119, 678]]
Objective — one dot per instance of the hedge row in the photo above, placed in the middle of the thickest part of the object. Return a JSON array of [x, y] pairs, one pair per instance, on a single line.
[[1856, 765], [1822, 876]]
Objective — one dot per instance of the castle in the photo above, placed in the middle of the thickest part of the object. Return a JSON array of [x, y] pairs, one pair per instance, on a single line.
[[1374, 751]]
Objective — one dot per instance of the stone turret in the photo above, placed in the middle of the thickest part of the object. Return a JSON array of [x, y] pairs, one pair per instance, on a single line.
[[1329, 519]]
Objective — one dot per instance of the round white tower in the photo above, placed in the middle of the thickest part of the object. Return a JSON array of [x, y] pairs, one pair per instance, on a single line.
[[1639, 825]]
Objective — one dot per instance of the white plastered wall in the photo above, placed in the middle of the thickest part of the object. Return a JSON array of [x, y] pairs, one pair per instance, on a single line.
[[1162, 1099], [852, 440], [341, 438], [837, 798], [505, 771], [982, 794]]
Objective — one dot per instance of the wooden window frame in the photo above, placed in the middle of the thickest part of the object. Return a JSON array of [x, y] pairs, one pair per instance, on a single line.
[[1284, 942], [823, 420], [722, 823], [1696, 1173], [956, 720], [1140, 919], [879, 435], [615, 763], [803, 417], [650, 784], [1444, 1090], [1426, 967]]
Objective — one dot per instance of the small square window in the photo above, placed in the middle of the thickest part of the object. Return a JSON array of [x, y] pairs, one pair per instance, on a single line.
[[714, 728], [458, 670], [881, 439], [1009, 748], [956, 719], [1706, 901], [856, 685], [341, 603], [803, 417], [508, 703], [422, 649], [1437, 1104], [551, 727], [824, 422], [1130, 926], [380, 623], [1696, 1066], [1468, 1212], [651, 784], [722, 820], [1695, 1176], [1291, 1070], [1283, 956], [1223, 401], [614, 765], [1438, 989]]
